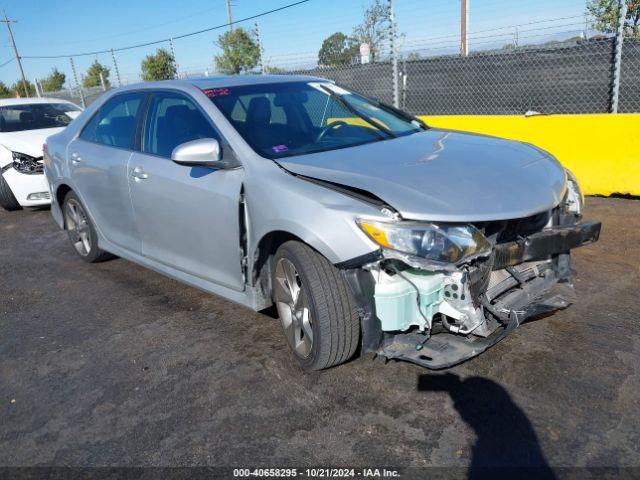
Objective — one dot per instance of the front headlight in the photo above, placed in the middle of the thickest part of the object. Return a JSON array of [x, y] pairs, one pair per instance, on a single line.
[[573, 200], [437, 242], [24, 163]]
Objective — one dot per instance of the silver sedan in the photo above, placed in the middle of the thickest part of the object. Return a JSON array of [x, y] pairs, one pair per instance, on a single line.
[[368, 230]]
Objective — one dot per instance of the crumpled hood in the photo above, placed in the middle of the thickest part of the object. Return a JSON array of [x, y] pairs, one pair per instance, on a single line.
[[442, 175], [27, 141]]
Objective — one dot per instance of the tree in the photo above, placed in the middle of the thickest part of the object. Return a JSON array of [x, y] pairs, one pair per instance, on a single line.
[[17, 88], [374, 29], [161, 66], [92, 78], [240, 52], [5, 92], [338, 49], [54, 81], [274, 70], [605, 13]]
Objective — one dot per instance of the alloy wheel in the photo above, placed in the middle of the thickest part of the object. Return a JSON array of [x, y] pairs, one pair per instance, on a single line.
[[78, 227], [293, 308]]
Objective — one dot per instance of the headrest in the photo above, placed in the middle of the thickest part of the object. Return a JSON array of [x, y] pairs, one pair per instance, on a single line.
[[259, 111], [26, 117]]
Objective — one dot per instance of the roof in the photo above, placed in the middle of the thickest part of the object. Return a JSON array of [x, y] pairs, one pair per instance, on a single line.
[[223, 81], [236, 80], [23, 101]]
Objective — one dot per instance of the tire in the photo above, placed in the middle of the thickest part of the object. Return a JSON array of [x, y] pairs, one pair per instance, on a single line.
[[81, 231], [331, 312], [7, 199]]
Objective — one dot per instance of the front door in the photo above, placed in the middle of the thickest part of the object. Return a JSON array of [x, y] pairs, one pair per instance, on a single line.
[[188, 217], [98, 160]]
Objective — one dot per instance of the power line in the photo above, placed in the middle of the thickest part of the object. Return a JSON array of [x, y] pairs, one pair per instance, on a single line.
[[177, 37], [7, 62]]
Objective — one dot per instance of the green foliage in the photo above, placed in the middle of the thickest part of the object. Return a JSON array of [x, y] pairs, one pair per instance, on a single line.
[[274, 70], [161, 66], [54, 81], [17, 87], [374, 28], [338, 49], [240, 52], [92, 77], [5, 92], [605, 13]]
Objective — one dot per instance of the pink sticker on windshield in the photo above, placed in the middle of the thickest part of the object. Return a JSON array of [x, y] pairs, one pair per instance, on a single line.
[[216, 92], [280, 148]]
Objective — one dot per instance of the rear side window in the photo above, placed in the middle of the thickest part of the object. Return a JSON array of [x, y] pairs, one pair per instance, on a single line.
[[115, 122], [173, 119]]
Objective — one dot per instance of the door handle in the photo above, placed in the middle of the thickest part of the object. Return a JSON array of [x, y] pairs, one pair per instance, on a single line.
[[138, 174], [75, 158]]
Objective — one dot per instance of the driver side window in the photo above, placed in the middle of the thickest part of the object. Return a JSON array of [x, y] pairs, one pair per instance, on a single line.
[[172, 120]]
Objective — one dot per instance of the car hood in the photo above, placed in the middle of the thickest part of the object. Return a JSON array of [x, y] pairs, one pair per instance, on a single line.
[[442, 175], [27, 141]]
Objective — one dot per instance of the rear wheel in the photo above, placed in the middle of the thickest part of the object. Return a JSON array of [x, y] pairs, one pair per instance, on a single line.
[[82, 233], [7, 198], [316, 309]]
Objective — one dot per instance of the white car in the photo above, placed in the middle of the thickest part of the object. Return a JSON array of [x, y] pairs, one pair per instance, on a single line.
[[25, 124]]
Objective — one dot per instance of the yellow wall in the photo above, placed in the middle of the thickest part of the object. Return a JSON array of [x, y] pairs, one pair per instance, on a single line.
[[602, 150]]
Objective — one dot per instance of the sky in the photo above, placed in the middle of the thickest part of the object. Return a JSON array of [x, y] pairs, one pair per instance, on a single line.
[[290, 38]]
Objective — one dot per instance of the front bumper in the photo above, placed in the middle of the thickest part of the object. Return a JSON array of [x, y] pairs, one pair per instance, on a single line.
[[521, 297], [24, 187]]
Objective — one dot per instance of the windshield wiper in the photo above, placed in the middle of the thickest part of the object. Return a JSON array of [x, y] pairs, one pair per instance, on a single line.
[[355, 112], [401, 113]]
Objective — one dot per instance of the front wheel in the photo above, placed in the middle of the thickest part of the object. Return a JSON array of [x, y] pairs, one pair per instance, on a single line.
[[316, 309], [7, 198]]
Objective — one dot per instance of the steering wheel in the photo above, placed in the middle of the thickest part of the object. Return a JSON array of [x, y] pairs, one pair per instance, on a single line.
[[328, 128]]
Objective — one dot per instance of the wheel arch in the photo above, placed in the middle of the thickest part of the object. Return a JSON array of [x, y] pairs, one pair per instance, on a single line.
[[266, 247], [61, 191]]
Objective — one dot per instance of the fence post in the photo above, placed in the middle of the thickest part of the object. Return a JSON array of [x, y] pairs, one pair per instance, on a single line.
[[617, 58], [35, 84], [115, 66], [75, 78], [394, 56]]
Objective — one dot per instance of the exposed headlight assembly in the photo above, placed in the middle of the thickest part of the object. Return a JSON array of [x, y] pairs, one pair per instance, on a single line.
[[27, 164], [441, 243], [574, 200]]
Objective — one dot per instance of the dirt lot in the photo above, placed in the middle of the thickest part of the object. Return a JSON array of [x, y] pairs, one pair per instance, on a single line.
[[112, 364]]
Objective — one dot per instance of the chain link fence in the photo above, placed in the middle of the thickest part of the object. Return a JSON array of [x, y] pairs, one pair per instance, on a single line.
[[630, 76], [565, 77]]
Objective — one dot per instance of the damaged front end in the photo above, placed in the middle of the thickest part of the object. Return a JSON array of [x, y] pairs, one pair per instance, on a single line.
[[469, 286]]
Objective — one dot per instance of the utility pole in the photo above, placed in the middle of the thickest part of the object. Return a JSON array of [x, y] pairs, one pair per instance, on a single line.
[[115, 67], [173, 54], [464, 20], [260, 48], [15, 51], [229, 15]]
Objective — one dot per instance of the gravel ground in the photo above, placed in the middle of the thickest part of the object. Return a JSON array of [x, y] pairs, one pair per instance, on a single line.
[[112, 364]]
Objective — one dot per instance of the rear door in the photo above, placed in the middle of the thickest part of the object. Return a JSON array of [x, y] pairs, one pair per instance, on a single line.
[[98, 161], [188, 217]]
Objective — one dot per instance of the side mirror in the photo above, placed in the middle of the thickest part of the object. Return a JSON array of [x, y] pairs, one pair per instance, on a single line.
[[204, 152]]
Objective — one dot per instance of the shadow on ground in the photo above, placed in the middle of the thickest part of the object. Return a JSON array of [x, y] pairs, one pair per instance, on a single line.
[[505, 436]]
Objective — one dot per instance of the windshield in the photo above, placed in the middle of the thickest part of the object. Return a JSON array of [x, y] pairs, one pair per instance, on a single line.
[[285, 119], [15, 118]]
